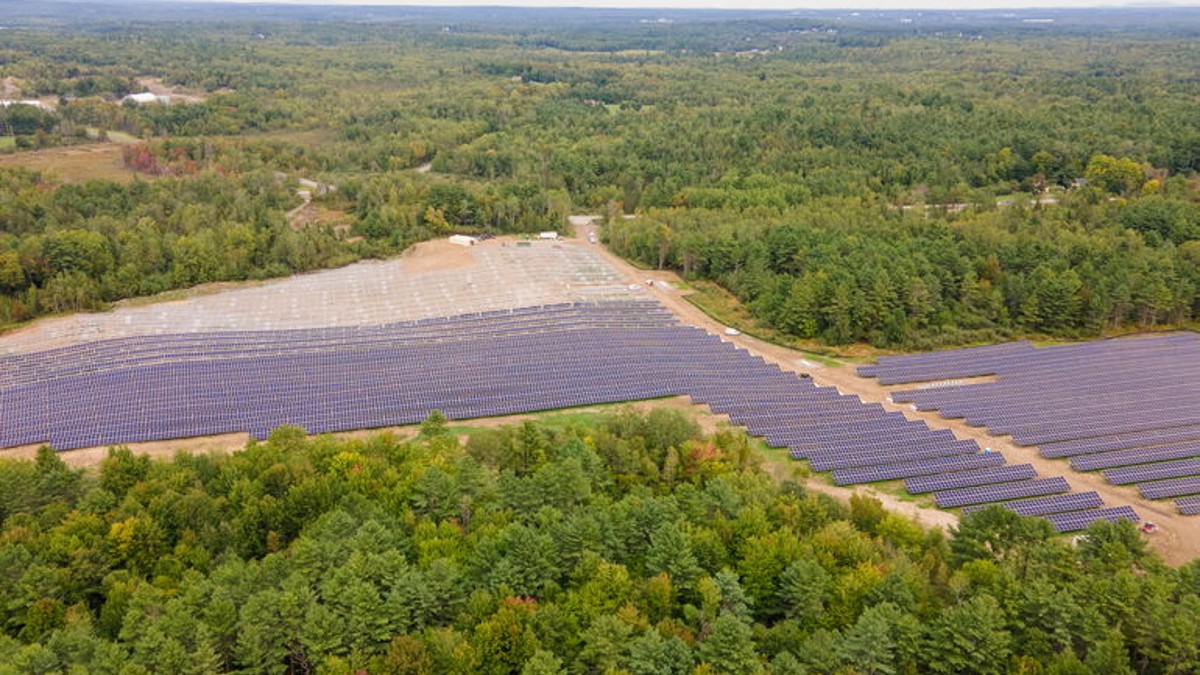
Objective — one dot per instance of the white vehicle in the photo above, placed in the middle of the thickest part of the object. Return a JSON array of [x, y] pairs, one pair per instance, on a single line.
[[732, 331], [591, 237]]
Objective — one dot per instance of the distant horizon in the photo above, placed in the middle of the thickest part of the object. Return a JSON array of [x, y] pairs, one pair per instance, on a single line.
[[733, 5]]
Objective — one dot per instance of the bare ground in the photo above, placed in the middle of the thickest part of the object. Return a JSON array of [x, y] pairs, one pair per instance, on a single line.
[[177, 94], [436, 255]]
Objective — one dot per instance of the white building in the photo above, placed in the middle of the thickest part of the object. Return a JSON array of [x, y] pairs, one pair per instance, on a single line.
[[147, 97], [33, 102]]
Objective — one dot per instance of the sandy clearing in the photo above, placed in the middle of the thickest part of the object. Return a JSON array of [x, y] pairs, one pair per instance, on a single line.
[[89, 458], [440, 254]]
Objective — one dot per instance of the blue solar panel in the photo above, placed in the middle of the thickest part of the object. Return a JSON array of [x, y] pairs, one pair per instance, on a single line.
[[1178, 487], [872, 474], [1078, 520], [1108, 460], [337, 379], [1188, 506], [962, 479], [1076, 501], [999, 493], [1109, 404], [1149, 472]]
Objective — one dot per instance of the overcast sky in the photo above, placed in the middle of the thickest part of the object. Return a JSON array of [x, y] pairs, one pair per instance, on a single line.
[[757, 4]]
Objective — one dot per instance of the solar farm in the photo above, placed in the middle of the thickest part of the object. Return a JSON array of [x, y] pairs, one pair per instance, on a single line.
[[1129, 408], [555, 326]]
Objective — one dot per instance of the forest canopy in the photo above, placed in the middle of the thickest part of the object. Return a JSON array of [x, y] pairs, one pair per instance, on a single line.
[[906, 184], [626, 542]]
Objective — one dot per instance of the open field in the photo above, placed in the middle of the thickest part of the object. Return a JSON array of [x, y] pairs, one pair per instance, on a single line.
[[76, 163]]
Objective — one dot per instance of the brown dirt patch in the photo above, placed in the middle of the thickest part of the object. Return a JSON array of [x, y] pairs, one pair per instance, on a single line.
[[76, 163], [176, 93], [314, 215], [437, 255], [90, 458]]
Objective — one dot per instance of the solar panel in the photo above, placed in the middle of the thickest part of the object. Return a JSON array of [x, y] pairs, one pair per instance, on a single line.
[[962, 479], [1188, 506], [1177, 487], [1079, 520], [526, 360], [1149, 472], [1108, 460], [1002, 492], [925, 467], [1120, 442], [1075, 501]]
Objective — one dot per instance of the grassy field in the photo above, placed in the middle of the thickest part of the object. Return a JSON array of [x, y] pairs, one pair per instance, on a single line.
[[74, 164], [7, 143], [118, 137]]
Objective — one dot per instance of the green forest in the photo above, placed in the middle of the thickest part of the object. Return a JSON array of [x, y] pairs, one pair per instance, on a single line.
[[906, 186], [617, 543]]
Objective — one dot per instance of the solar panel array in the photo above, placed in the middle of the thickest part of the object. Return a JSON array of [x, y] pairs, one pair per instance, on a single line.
[[1128, 406], [961, 479], [1188, 506], [151, 388], [1176, 487], [1041, 506], [873, 474], [1148, 472], [996, 493], [1078, 520]]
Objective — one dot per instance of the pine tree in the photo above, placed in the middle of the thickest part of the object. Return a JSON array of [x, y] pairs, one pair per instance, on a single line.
[[969, 639], [729, 647]]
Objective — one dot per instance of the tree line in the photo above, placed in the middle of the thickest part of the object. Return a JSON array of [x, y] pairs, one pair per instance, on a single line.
[[841, 271]]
